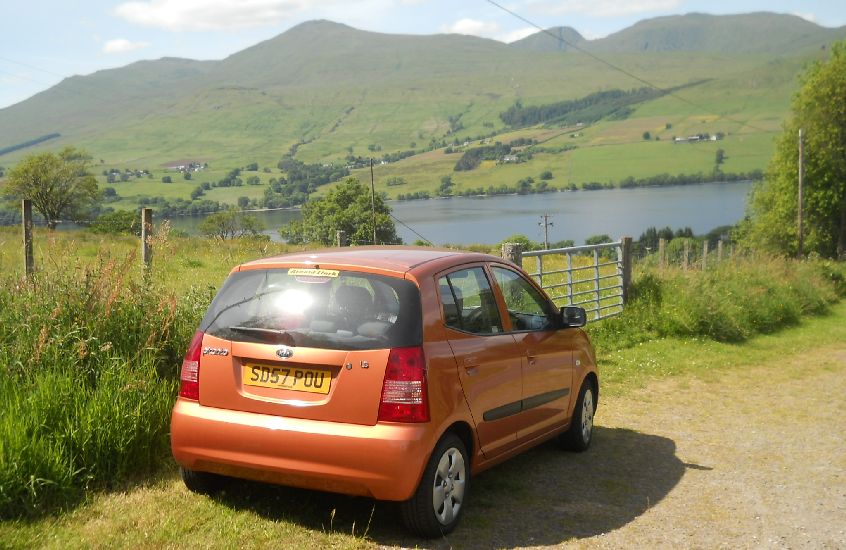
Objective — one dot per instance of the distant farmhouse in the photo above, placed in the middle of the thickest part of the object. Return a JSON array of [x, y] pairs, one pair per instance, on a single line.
[[699, 137]]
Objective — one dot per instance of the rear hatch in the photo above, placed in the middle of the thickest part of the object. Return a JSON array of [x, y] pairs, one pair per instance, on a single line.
[[305, 343]]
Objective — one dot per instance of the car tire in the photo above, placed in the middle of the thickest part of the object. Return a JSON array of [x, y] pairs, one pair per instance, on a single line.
[[580, 434], [202, 482], [438, 504]]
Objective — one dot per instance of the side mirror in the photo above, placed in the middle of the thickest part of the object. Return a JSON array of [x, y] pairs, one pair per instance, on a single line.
[[573, 316]]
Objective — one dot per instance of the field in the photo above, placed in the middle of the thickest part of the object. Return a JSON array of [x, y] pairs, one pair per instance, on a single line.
[[107, 401]]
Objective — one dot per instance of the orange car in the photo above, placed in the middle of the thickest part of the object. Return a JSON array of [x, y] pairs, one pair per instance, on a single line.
[[391, 372]]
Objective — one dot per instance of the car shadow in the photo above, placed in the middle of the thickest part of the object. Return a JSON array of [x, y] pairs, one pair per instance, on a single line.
[[542, 497]]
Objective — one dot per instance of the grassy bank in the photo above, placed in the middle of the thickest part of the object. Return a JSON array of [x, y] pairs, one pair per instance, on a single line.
[[730, 302], [87, 378], [89, 349], [89, 355]]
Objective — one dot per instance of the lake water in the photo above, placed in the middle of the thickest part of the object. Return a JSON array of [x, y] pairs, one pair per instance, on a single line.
[[575, 215]]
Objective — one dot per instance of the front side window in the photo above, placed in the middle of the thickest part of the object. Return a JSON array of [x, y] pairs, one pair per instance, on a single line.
[[527, 308], [318, 308], [468, 302]]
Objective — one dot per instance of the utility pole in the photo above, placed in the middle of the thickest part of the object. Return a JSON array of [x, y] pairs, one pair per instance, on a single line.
[[546, 225], [801, 194], [373, 200]]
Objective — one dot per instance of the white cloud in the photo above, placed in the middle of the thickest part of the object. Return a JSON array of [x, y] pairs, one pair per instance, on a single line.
[[602, 8], [204, 15], [122, 45], [472, 27], [516, 35]]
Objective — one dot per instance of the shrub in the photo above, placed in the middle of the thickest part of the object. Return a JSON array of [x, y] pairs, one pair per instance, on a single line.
[[728, 303], [117, 222]]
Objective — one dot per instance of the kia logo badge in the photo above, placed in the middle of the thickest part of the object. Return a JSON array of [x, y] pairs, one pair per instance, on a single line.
[[285, 352]]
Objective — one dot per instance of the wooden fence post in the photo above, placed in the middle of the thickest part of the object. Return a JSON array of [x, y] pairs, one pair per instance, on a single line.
[[146, 233], [26, 222], [686, 254], [720, 250], [513, 252], [626, 265], [341, 238], [705, 255], [662, 247]]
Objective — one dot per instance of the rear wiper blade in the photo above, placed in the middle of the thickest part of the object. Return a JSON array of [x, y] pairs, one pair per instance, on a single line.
[[286, 336]]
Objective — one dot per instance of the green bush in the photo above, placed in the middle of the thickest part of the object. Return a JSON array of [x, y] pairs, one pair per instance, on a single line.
[[728, 303]]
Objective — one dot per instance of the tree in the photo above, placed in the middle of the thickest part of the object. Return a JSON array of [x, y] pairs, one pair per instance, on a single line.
[[110, 194], [243, 202], [720, 156], [817, 109], [686, 232], [445, 188], [647, 136], [59, 185], [525, 242], [598, 239], [230, 224], [167, 179], [346, 207], [117, 222]]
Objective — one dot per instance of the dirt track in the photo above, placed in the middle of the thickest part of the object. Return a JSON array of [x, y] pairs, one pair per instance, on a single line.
[[763, 452], [750, 458]]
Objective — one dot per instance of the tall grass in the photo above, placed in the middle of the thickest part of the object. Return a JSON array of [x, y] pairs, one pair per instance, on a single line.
[[88, 358], [730, 302]]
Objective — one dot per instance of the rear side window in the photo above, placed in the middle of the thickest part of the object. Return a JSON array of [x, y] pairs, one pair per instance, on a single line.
[[469, 305], [316, 308]]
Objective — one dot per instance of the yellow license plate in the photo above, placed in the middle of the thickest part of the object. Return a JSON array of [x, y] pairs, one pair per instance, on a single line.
[[287, 378]]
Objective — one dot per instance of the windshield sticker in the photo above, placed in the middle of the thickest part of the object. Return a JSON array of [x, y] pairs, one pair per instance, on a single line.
[[313, 275]]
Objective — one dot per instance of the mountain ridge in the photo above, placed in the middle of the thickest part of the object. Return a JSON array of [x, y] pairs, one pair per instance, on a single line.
[[335, 87]]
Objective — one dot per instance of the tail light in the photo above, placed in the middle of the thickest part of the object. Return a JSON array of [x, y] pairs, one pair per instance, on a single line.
[[189, 378], [404, 394]]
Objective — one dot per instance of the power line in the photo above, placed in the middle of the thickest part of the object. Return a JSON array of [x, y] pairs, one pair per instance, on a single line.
[[66, 88], [410, 229], [33, 67], [617, 68]]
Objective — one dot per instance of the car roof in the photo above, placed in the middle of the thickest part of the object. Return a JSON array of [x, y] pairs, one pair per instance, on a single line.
[[398, 259]]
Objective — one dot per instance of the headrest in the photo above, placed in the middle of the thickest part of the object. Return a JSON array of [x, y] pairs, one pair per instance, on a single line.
[[353, 299]]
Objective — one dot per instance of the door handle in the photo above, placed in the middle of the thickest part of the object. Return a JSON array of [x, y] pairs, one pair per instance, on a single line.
[[531, 357], [471, 365]]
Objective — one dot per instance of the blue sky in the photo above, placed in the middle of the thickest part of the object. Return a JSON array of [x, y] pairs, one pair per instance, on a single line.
[[43, 41]]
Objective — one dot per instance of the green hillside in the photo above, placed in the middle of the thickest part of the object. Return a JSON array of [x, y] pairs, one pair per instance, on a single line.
[[760, 32], [327, 92]]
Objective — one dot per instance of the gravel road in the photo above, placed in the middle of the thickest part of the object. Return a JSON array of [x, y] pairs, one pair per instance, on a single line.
[[740, 458]]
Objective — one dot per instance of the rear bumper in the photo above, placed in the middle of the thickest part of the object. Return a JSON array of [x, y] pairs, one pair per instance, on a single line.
[[384, 461]]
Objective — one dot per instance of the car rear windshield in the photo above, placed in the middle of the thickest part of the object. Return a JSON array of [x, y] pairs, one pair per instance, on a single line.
[[316, 308]]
